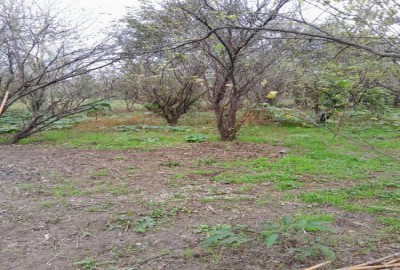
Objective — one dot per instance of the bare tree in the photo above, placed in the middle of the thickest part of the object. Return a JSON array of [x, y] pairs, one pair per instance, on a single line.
[[40, 56], [236, 64], [169, 82], [171, 90]]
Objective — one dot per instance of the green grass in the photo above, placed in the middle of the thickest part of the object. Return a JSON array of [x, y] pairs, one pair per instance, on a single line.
[[110, 139], [69, 189], [393, 222], [101, 173], [315, 155]]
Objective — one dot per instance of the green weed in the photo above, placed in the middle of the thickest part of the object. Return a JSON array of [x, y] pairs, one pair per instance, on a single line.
[[171, 164], [144, 224], [101, 173], [91, 264], [68, 189], [223, 235], [196, 138], [298, 234]]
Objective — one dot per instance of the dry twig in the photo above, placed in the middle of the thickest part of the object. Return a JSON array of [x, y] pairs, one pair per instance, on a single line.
[[378, 263], [318, 265]]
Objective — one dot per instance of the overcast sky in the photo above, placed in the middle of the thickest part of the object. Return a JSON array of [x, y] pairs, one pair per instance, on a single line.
[[98, 14], [103, 11]]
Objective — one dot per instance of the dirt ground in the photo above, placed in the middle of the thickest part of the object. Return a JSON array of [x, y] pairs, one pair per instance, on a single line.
[[75, 209]]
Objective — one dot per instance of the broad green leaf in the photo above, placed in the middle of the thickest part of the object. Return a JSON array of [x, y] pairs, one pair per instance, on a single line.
[[271, 240]]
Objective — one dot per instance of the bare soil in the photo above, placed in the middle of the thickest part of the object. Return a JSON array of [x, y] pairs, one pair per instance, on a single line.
[[59, 207]]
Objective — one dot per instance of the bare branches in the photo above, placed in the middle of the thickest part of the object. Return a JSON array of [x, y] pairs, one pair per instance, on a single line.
[[41, 59]]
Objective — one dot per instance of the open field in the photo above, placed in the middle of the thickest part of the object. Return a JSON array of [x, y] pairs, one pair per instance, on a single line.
[[281, 197]]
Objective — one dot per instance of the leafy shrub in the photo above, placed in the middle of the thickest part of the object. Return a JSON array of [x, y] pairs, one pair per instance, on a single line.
[[222, 235], [299, 236], [196, 138]]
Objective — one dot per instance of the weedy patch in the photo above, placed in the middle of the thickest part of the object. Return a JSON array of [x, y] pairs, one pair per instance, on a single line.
[[196, 138], [92, 264], [68, 189], [170, 164], [123, 251], [120, 222], [206, 161], [101, 207], [144, 224], [383, 194], [393, 222], [141, 225], [101, 173], [298, 235], [228, 198], [222, 236]]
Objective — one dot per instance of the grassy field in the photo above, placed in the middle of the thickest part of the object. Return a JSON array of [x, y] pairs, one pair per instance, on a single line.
[[288, 191]]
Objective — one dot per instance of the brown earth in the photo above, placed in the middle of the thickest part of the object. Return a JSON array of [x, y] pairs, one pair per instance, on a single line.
[[59, 207]]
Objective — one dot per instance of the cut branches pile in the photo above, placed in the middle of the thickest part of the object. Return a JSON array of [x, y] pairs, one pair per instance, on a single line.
[[391, 262]]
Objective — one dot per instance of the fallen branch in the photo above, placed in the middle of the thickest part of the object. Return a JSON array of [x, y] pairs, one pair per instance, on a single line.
[[377, 264], [374, 267]]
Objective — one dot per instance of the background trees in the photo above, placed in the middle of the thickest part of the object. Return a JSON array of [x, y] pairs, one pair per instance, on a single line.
[[319, 56], [42, 60], [235, 58]]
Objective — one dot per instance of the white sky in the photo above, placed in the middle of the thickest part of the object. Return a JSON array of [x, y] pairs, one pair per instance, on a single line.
[[98, 14], [103, 12]]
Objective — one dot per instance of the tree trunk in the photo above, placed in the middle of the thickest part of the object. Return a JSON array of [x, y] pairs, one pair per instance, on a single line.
[[173, 121], [396, 102], [18, 136], [226, 122], [24, 133]]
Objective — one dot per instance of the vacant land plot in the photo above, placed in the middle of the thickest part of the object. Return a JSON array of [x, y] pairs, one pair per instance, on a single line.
[[279, 198]]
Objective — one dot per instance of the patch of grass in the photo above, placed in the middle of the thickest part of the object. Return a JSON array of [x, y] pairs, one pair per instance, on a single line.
[[333, 197], [102, 207], [246, 188], [122, 221], [393, 222], [179, 176], [188, 253], [30, 188], [106, 139], [46, 204], [206, 161], [119, 252], [381, 192], [107, 186], [288, 185], [69, 189], [227, 198], [327, 218], [91, 264], [170, 164], [119, 189], [101, 173]]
